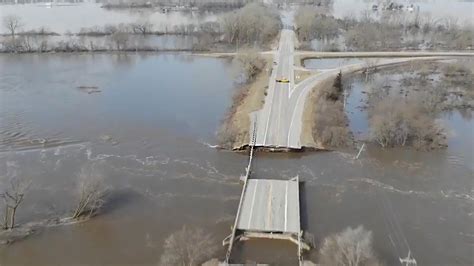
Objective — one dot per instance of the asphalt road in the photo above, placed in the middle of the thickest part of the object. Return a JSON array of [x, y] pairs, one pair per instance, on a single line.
[[272, 120], [270, 206], [279, 122]]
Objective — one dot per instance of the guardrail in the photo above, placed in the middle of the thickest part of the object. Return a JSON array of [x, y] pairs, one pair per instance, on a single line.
[[247, 175]]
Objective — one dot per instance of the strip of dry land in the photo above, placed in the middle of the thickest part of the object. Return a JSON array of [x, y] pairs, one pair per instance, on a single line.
[[234, 132]]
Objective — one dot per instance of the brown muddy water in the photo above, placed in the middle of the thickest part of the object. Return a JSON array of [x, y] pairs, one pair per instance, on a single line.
[[147, 125]]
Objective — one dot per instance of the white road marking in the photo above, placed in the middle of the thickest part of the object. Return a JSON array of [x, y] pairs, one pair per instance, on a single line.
[[269, 206], [253, 202], [293, 117], [279, 117], [271, 87], [286, 206]]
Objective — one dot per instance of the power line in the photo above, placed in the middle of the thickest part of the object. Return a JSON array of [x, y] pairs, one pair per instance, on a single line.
[[399, 241]]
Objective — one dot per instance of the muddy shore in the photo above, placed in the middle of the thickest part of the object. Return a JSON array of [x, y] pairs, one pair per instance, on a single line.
[[234, 132]]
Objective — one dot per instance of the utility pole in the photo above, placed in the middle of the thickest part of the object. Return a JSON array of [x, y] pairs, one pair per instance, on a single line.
[[408, 261], [360, 151]]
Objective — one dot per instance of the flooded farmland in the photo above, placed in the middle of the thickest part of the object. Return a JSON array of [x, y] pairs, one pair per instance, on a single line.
[[152, 144], [75, 16], [148, 121]]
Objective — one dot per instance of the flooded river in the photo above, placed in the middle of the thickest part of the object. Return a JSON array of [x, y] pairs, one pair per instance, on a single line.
[[74, 16], [146, 121]]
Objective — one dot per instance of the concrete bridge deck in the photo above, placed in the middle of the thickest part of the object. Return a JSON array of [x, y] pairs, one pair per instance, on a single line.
[[270, 206]]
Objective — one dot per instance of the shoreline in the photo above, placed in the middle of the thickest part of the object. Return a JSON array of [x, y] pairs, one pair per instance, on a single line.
[[111, 51], [307, 55], [249, 98]]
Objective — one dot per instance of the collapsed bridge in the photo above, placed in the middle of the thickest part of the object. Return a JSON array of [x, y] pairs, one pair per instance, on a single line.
[[268, 209]]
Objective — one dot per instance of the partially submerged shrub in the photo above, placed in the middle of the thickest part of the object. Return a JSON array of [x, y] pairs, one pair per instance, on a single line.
[[457, 74], [349, 247], [398, 122], [90, 193]]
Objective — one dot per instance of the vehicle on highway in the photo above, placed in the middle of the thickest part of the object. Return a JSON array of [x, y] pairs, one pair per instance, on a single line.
[[283, 80]]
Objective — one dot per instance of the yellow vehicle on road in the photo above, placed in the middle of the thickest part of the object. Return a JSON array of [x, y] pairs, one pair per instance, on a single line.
[[283, 80]]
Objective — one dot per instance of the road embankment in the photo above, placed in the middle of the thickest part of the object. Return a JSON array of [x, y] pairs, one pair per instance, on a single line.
[[325, 124], [305, 55], [250, 97]]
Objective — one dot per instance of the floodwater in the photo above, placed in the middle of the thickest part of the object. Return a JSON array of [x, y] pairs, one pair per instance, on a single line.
[[461, 10], [145, 122], [441, 11], [75, 16]]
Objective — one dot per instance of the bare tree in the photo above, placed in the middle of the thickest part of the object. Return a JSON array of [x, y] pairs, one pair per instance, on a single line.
[[254, 24], [188, 247], [313, 23], [120, 40], [13, 193], [370, 66], [12, 23], [399, 122], [142, 27], [90, 192], [249, 62], [351, 247]]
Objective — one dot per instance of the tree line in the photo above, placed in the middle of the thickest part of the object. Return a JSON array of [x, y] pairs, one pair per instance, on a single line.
[[390, 31], [200, 4], [254, 25]]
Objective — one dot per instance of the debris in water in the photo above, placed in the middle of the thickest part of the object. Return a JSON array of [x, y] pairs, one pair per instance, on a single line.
[[109, 139], [89, 89]]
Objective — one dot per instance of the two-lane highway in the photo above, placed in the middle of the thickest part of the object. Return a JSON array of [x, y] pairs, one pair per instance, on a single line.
[[272, 127]]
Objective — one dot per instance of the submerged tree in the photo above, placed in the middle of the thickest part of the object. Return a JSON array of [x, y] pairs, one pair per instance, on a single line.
[[399, 122], [90, 193], [120, 40], [351, 247], [12, 23], [142, 27], [13, 193], [370, 65], [188, 247]]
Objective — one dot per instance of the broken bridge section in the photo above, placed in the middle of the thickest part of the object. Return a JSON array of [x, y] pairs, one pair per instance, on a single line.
[[268, 208]]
